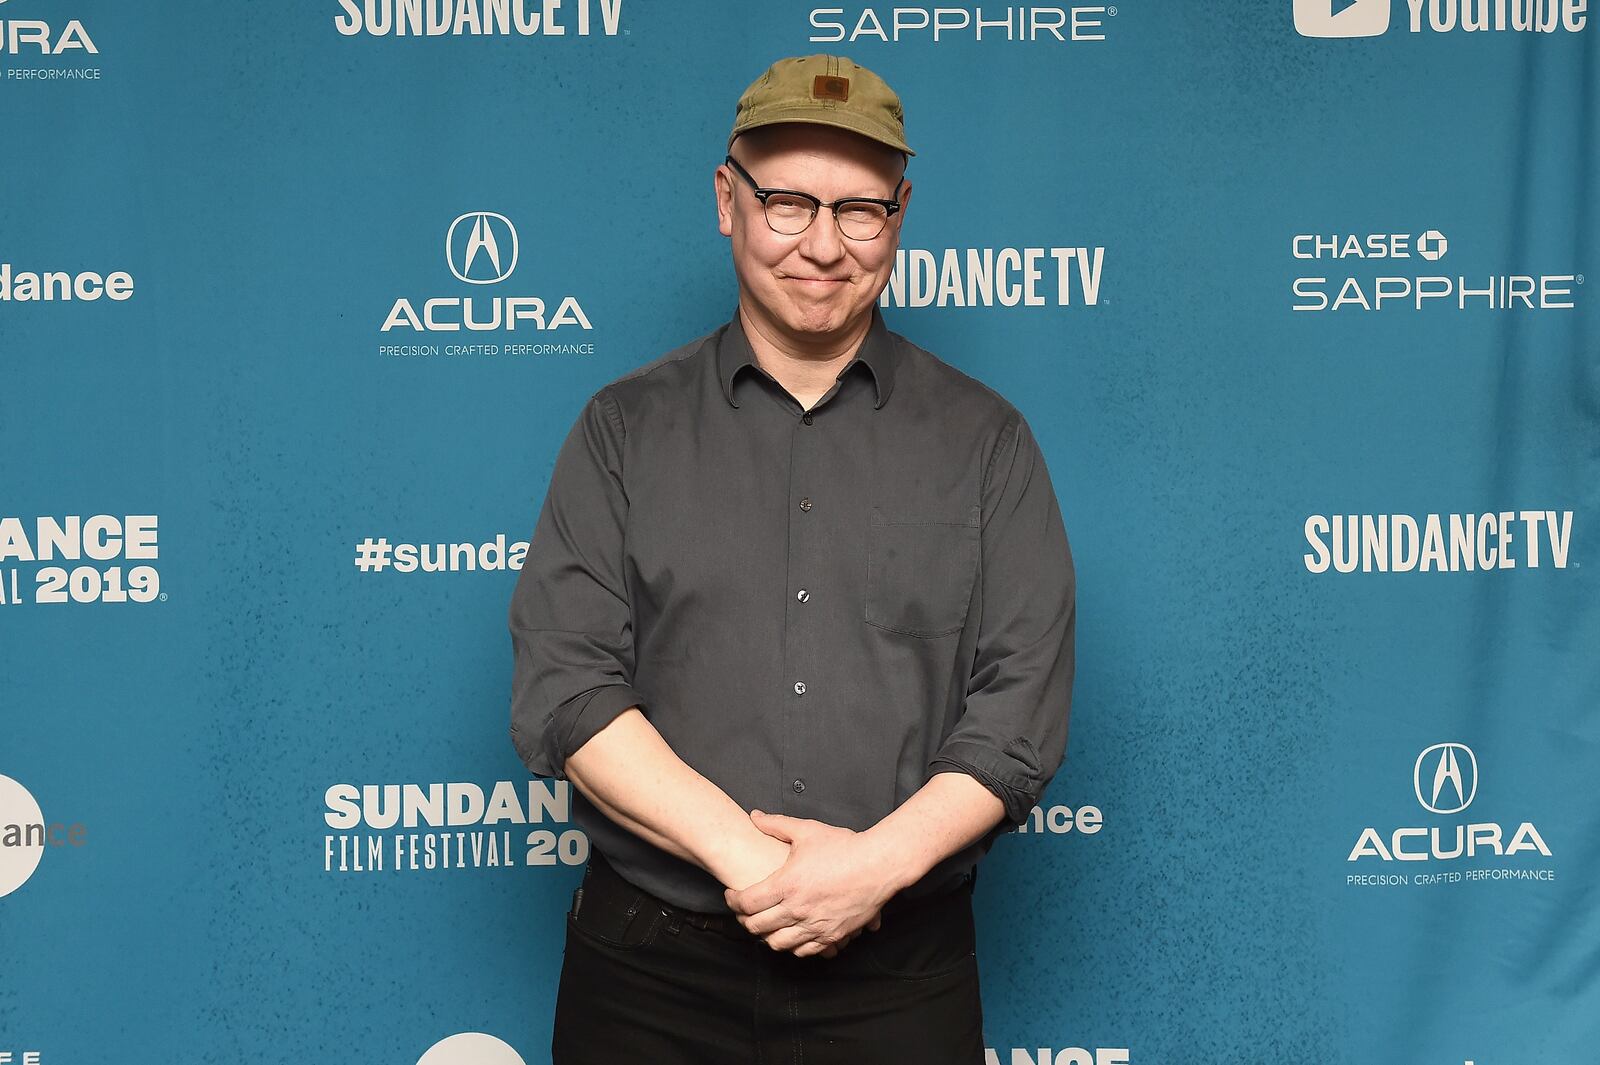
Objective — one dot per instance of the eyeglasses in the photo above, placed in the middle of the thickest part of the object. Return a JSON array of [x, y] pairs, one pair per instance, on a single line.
[[790, 212]]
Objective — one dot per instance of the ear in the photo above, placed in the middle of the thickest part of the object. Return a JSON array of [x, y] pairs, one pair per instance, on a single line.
[[722, 187], [905, 202]]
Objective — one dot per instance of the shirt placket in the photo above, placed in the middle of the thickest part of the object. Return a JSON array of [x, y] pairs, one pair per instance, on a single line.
[[808, 684]]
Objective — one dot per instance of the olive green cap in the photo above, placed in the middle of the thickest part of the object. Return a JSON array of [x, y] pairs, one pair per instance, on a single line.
[[827, 90]]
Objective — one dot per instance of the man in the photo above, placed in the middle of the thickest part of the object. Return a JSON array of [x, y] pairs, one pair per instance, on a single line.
[[797, 622]]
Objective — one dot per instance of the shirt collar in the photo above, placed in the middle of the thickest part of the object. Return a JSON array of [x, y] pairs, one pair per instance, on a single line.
[[877, 353]]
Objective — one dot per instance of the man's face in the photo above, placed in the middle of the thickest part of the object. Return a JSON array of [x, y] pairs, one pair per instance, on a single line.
[[818, 284]]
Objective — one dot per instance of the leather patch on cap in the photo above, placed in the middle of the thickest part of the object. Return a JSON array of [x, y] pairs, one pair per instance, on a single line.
[[825, 87]]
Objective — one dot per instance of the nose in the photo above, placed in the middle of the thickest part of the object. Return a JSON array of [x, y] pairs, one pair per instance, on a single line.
[[822, 243]]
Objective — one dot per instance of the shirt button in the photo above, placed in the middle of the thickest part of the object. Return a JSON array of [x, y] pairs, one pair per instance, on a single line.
[[799, 687], [803, 595], [806, 417], [805, 504], [798, 786]]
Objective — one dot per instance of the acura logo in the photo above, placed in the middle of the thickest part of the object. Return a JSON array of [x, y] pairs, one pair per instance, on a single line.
[[483, 250], [1446, 778]]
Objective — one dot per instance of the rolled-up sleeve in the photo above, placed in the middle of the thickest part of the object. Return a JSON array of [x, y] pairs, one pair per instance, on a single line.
[[571, 622], [1012, 734]]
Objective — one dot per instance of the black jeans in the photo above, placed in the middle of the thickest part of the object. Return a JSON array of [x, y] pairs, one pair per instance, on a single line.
[[644, 981]]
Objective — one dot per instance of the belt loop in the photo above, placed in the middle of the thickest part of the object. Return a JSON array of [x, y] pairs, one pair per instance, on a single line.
[[674, 920], [633, 908]]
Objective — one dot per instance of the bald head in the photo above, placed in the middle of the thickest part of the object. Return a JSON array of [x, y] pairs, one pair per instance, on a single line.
[[755, 146]]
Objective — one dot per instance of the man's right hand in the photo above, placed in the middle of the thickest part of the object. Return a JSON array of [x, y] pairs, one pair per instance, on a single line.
[[630, 773], [753, 860], [834, 948]]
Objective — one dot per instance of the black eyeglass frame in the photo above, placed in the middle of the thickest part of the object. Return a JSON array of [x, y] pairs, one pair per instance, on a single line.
[[761, 193]]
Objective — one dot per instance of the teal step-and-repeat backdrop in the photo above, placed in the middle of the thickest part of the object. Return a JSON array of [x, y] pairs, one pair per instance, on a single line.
[[1293, 292]]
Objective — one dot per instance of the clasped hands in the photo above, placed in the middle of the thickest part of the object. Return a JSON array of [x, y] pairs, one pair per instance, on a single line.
[[830, 888]]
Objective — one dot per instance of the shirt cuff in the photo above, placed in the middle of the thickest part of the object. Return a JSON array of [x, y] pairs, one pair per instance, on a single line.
[[1011, 775], [583, 719]]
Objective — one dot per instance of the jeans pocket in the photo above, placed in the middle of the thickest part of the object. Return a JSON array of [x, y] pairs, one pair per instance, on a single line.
[[920, 569], [922, 946], [629, 929]]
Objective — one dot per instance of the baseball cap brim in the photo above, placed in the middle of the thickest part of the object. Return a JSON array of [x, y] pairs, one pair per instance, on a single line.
[[817, 117]]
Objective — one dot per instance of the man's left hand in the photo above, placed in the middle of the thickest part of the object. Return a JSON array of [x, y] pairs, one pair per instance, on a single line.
[[833, 885]]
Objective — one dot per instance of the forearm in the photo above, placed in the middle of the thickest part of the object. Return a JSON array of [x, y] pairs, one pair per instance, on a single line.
[[633, 776], [951, 811]]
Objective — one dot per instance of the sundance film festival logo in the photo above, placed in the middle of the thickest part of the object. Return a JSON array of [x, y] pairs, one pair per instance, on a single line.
[[1370, 18], [988, 277], [891, 25], [479, 18], [482, 249], [112, 559], [1368, 272], [25, 41], [25, 835], [380, 828], [1444, 782]]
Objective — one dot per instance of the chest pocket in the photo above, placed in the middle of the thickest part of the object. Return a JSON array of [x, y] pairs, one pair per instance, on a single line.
[[920, 569]]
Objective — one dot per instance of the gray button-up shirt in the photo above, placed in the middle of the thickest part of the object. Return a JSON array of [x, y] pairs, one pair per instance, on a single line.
[[817, 609]]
